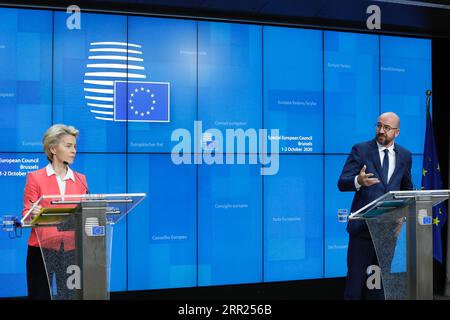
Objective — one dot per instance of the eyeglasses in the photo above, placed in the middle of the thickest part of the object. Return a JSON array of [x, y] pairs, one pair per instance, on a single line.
[[385, 127]]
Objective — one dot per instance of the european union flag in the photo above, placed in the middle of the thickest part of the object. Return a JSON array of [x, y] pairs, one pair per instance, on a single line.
[[431, 180], [141, 101]]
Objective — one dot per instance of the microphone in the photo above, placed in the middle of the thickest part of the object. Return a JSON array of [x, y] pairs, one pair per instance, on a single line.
[[87, 190]]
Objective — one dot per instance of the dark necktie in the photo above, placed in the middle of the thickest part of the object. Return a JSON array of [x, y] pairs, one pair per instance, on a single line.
[[385, 168]]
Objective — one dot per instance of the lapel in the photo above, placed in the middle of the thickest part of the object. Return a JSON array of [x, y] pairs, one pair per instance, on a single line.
[[375, 156], [53, 185]]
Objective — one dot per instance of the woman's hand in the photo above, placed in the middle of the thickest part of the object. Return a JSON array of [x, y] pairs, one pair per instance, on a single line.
[[35, 211]]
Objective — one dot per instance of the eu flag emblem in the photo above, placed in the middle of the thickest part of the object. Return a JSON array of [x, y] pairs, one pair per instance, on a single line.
[[141, 101], [431, 180]]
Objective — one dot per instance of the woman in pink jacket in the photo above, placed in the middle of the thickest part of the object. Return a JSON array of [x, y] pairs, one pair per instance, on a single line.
[[55, 179]]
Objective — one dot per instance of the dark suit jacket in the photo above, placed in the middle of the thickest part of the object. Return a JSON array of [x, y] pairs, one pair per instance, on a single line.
[[366, 153]]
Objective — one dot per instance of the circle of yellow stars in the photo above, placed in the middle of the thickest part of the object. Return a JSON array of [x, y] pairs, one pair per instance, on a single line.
[[132, 107]]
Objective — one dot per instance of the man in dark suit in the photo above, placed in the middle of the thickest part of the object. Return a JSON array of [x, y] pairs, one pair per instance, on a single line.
[[372, 169]]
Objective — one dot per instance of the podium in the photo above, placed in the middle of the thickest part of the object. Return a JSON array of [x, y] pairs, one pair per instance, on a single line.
[[75, 235], [401, 226]]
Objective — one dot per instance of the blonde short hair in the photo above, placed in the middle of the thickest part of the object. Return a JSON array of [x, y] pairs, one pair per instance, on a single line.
[[53, 135]]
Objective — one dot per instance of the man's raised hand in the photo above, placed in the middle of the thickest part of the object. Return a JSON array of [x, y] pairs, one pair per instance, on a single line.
[[365, 180]]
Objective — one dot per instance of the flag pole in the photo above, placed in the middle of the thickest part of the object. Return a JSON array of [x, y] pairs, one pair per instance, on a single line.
[[428, 93]]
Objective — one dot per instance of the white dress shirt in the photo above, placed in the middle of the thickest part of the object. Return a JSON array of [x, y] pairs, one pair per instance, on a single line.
[[391, 157], [61, 182]]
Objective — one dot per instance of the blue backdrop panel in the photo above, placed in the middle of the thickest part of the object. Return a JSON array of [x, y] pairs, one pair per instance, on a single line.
[[351, 89], [162, 231], [337, 208], [293, 87], [405, 76], [169, 50], [13, 252], [229, 224], [25, 78], [230, 76], [293, 219]]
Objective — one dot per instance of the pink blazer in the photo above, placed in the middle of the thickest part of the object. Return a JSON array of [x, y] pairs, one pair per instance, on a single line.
[[39, 184]]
